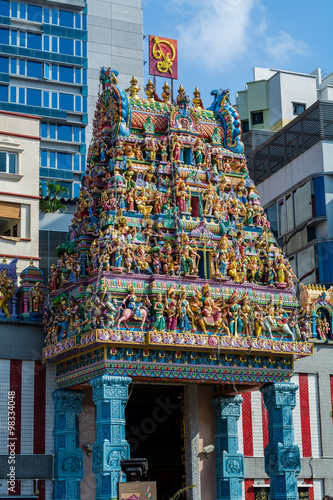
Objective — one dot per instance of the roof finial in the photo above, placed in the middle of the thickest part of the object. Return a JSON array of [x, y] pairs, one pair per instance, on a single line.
[[196, 99], [150, 90], [134, 88], [166, 93]]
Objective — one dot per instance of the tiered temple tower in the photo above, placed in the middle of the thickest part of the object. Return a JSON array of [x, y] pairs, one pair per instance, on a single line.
[[170, 273]]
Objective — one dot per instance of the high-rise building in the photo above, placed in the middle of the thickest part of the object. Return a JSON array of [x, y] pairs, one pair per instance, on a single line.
[[50, 53]]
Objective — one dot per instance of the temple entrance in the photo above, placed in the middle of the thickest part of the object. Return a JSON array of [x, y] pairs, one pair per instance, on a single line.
[[155, 430]]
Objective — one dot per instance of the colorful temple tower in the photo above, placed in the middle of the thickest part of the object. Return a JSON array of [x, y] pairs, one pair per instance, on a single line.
[[170, 275]]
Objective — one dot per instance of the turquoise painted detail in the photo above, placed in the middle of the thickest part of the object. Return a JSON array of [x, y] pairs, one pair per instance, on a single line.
[[110, 394], [229, 461], [282, 455], [229, 119], [68, 467]]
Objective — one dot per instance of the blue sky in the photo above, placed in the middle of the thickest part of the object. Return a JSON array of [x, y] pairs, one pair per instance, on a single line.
[[220, 41]]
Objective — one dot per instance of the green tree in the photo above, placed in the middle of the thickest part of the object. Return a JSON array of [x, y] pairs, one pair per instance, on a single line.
[[49, 202]]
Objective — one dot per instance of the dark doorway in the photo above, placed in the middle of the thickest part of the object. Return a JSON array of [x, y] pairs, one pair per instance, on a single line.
[[154, 430]]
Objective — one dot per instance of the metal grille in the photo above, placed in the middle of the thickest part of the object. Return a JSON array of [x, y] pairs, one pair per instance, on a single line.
[[302, 133]]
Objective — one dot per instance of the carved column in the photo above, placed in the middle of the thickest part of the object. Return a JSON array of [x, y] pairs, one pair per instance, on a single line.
[[282, 456], [229, 461], [68, 469], [110, 394]]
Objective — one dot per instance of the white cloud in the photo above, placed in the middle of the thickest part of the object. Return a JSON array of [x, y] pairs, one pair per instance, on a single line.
[[214, 32], [283, 46]]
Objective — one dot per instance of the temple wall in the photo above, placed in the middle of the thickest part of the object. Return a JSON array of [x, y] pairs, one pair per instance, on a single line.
[[207, 437], [87, 437]]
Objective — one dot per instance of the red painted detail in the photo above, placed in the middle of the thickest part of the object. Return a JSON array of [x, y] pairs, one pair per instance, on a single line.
[[331, 383], [311, 492], [20, 195], [15, 385], [264, 424], [20, 114], [11, 134], [39, 408], [247, 425], [305, 414], [249, 490]]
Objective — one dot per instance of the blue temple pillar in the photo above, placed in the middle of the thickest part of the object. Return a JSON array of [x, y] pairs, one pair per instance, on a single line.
[[110, 394], [229, 461], [68, 469], [282, 456]]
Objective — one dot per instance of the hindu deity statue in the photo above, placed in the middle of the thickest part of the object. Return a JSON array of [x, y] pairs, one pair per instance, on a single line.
[[235, 321], [199, 152], [183, 311], [176, 148], [7, 289], [159, 309], [36, 298], [171, 309]]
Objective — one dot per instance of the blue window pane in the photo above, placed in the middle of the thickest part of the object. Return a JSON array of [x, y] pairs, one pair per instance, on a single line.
[[46, 99], [65, 46], [54, 100], [52, 131], [83, 163], [78, 103], [4, 65], [64, 161], [34, 97], [4, 36], [46, 70], [52, 159], [54, 44], [77, 75], [66, 101], [76, 165], [76, 134], [3, 94], [46, 42], [21, 95], [83, 135], [14, 9], [84, 77], [77, 48], [13, 66], [22, 39], [78, 21], [54, 72], [4, 8], [84, 22], [35, 13], [12, 94], [84, 104], [46, 15], [54, 16], [22, 67], [34, 41], [66, 18], [64, 133], [84, 49], [43, 158], [22, 10], [43, 129], [76, 190], [14, 37], [34, 69], [66, 74]]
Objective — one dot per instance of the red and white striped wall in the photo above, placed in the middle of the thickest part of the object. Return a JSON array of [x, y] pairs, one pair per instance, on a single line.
[[33, 384], [253, 427]]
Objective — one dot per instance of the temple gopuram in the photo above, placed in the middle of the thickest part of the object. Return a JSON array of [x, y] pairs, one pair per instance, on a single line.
[[170, 299]]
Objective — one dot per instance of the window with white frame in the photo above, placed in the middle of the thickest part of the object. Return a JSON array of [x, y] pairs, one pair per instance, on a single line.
[[8, 162]]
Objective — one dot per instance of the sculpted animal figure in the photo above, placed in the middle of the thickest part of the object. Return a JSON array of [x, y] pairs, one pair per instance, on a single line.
[[140, 313], [271, 325]]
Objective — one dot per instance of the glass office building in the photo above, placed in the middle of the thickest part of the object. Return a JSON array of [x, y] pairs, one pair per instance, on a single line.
[[43, 71]]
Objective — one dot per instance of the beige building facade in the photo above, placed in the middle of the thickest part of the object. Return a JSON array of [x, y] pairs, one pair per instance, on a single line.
[[19, 191]]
